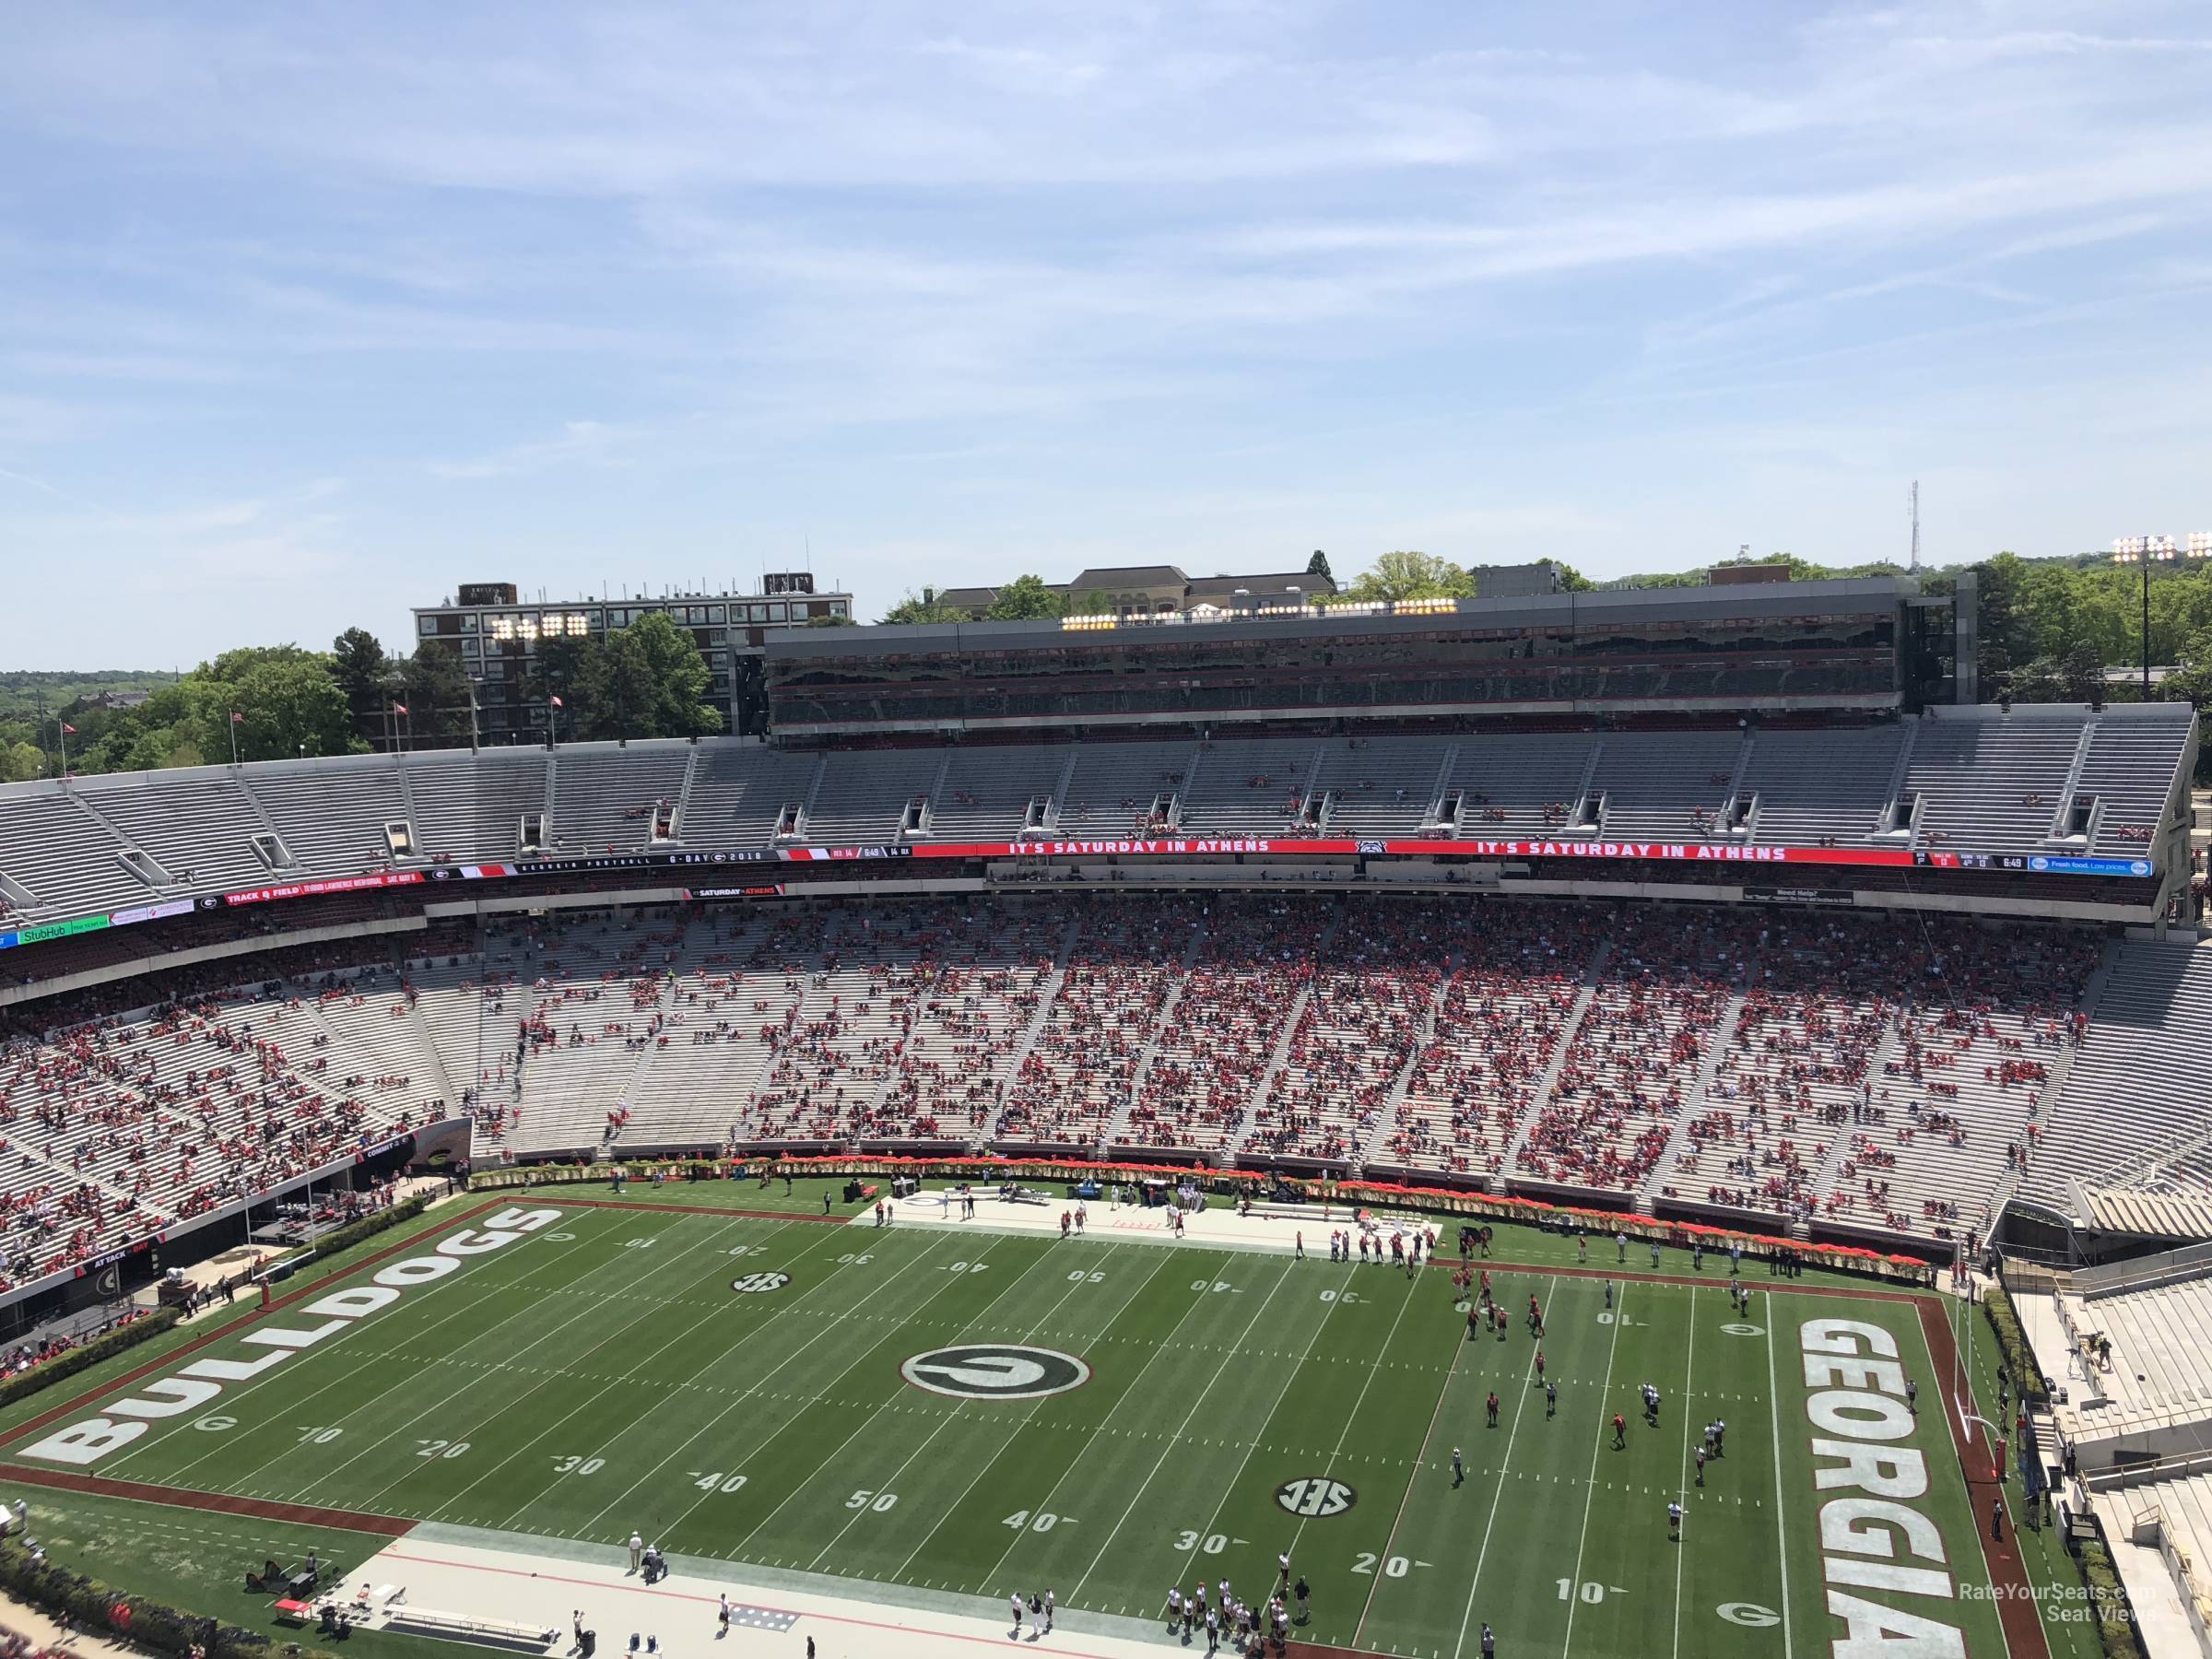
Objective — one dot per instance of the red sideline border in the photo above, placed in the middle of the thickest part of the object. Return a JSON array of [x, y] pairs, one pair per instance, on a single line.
[[2019, 1611]]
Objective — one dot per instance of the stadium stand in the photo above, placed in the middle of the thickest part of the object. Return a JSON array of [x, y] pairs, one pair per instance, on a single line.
[[1078, 1063], [1985, 780], [1840, 1070], [1520, 987], [2136, 1106], [1668, 995], [113, 1127], [607, 804]]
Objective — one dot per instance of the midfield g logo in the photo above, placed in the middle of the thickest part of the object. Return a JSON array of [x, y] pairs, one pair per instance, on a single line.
[[995, 1370]]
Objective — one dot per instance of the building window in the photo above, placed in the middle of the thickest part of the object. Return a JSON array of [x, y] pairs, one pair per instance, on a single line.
[[427, 625]]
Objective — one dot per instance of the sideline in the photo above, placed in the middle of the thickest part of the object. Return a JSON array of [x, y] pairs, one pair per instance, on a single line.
[[2020, 1612]]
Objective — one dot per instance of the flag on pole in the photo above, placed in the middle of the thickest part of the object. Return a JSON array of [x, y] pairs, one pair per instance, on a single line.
[[399, 708], [68, 728], [559, 704], [236, 718]]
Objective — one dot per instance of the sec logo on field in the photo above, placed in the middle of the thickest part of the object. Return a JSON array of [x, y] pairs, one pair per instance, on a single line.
[[752, 1284], [995, 1370], [1315, 1496]]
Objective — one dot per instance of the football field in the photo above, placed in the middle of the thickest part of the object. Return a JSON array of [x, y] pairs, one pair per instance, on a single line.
[[958, 1409]]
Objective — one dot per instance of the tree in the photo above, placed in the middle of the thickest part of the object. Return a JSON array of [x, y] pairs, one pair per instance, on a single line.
[[2006, 639], [1090, 602], [922, 608], [359, 664], [829, 622], [1405, 575], [2081, 673], [659, 682], [21, 761], [1319, 566], [289, 703], [577, 669], [435, 689], [1026, 599], [2192, 683], [2077, 676]]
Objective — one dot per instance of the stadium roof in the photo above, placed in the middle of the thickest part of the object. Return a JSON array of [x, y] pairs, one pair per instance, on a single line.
[[1604, 607]]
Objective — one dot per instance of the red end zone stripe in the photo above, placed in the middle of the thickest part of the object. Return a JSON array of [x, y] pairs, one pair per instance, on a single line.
[[260, 1509]]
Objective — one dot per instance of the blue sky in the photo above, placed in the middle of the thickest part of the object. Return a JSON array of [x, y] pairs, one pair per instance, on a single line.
[[307, 312]]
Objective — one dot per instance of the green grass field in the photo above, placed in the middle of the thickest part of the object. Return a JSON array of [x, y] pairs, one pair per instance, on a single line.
[[602, 1374]]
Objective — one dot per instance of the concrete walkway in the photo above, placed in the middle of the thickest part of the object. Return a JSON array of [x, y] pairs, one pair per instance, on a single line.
[[1218, 1226], [527, 1581]]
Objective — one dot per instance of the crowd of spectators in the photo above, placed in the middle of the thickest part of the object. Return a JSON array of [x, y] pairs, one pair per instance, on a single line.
[[1633, 1063], [1519, 976], [1083, 1060], [1375, 977], [1223, 1026]]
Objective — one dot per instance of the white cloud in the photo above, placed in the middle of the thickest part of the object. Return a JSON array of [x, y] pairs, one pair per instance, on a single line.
[[1214, 280], [579, 443]]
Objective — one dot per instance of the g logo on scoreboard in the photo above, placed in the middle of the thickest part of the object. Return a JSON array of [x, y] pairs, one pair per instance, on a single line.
[[1315, 1496], [995, 1370]]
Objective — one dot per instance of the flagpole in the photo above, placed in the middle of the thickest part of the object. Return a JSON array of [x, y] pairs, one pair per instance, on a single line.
[[234, 738], [63, 736]]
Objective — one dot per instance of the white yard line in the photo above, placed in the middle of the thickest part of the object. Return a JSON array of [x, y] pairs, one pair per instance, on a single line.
[[985, 1465], [773, 1372], [1498, 1492], [953, 1416], [1459, 1343], [628, 1375], [437, 1405], [344, 1376], [1374, 1364], [1782, 1511], [1690, 1371], [1260, 1427], [1620, 1314], [1176, 1439], [737, 1551]]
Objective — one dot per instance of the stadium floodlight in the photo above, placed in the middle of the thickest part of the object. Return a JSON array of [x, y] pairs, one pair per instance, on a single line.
[[2145, 551]]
